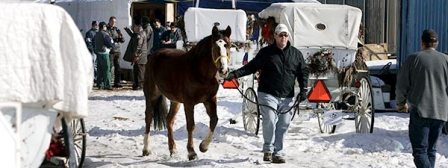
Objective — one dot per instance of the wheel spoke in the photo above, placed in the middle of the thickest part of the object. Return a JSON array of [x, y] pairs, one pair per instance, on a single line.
[[250, 111], [364, 115]]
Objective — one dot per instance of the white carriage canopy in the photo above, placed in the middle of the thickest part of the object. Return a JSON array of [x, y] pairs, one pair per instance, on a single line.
[[318, 25], [44, 58], [199, 23]]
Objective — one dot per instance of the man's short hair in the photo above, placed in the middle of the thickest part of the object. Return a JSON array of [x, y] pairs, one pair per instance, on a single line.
[[429, 38], [137, 20], [145, 20], [156, 20], [112, 17], [94, 23], [102, 25]]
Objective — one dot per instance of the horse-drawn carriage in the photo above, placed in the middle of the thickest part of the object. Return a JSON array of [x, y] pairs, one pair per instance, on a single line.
[[44, 85], [339, 82]]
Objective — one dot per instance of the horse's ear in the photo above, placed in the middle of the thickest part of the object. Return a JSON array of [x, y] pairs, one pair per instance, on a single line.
[[215, 32], [228, 31]]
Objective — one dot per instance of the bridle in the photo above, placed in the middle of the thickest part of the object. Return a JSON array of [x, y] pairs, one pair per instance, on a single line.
[[216, 60]]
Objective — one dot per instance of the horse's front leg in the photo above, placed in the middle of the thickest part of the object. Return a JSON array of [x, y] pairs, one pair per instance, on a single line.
[[174, 108], [189, 114], [210, 106]]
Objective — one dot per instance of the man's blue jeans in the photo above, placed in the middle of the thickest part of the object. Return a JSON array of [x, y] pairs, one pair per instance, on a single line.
[[423, 133], [274, 125]]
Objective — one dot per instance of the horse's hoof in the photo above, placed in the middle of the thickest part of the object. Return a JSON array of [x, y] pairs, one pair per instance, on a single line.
[[203, 148], [173, 152], [146, 152], [192, 156]]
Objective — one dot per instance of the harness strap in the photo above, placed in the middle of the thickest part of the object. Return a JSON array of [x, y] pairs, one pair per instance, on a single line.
[[217, 59]]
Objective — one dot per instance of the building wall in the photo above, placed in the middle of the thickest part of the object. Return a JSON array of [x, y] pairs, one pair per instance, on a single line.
[[416, 16]]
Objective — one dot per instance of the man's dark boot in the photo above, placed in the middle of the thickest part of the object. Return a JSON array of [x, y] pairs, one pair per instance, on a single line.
[[267, 157], [278, 159]]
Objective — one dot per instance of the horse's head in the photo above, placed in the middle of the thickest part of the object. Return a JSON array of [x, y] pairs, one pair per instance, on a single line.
[[221, 49]]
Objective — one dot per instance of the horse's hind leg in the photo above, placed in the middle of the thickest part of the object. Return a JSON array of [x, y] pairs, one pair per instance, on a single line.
[[189, 114], [148, 118], [174, 108], [210, 107], [150, 90]]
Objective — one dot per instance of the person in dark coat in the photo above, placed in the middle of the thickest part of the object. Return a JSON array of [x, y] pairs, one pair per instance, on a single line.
[[158, 31], [137, 52], [280, 65], [90, 37], [115, 52], [103, 44], [422, 89], [170, 37]]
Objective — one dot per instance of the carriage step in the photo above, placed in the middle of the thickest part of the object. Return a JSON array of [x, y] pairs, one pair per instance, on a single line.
[[334, 117]]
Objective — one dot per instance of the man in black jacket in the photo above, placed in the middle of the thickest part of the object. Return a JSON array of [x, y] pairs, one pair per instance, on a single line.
[[90, 36], [115, 52], [279, 65]]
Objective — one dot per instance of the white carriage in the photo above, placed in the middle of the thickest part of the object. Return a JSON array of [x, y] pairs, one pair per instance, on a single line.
[[46, 76], [334, 28], [199, 23]]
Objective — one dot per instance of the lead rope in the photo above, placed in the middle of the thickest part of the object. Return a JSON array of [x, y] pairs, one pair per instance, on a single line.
[[295, 106]]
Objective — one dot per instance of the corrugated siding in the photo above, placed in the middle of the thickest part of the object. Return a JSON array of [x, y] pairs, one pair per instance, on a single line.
[[418, 15]]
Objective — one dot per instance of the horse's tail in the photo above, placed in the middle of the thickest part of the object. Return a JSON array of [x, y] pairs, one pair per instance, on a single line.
[[160, 113]]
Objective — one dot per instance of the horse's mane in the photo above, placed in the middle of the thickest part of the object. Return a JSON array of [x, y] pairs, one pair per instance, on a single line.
[[202, 46]]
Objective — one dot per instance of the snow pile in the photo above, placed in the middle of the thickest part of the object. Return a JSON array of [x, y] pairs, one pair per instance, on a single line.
[[116, 125]]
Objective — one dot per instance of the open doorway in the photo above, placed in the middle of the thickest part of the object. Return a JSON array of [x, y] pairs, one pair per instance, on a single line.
[[161, 11]]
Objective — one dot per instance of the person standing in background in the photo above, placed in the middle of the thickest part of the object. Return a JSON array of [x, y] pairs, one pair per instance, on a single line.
[[149, 34], [103, 44], [170, 37], [90, 37], [137, 52], [115, 52], [422, 89], [158, 31]]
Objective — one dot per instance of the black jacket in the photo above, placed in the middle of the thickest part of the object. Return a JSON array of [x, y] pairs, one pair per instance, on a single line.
[[278, 70], [102, 41]]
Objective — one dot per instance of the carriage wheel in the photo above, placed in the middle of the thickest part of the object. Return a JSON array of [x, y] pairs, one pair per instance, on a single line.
[[364, 116], [79, 140], [75, 143], [251, 114], [325, 128]]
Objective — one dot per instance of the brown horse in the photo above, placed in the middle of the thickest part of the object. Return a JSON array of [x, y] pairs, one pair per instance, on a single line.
[[189, 78]]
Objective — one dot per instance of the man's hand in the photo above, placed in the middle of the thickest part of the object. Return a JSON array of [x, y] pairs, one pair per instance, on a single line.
[[301, 96], [402, 108], [230, 76]]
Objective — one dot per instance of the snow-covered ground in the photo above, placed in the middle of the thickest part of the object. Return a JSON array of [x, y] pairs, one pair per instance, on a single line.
[[116, 124]]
